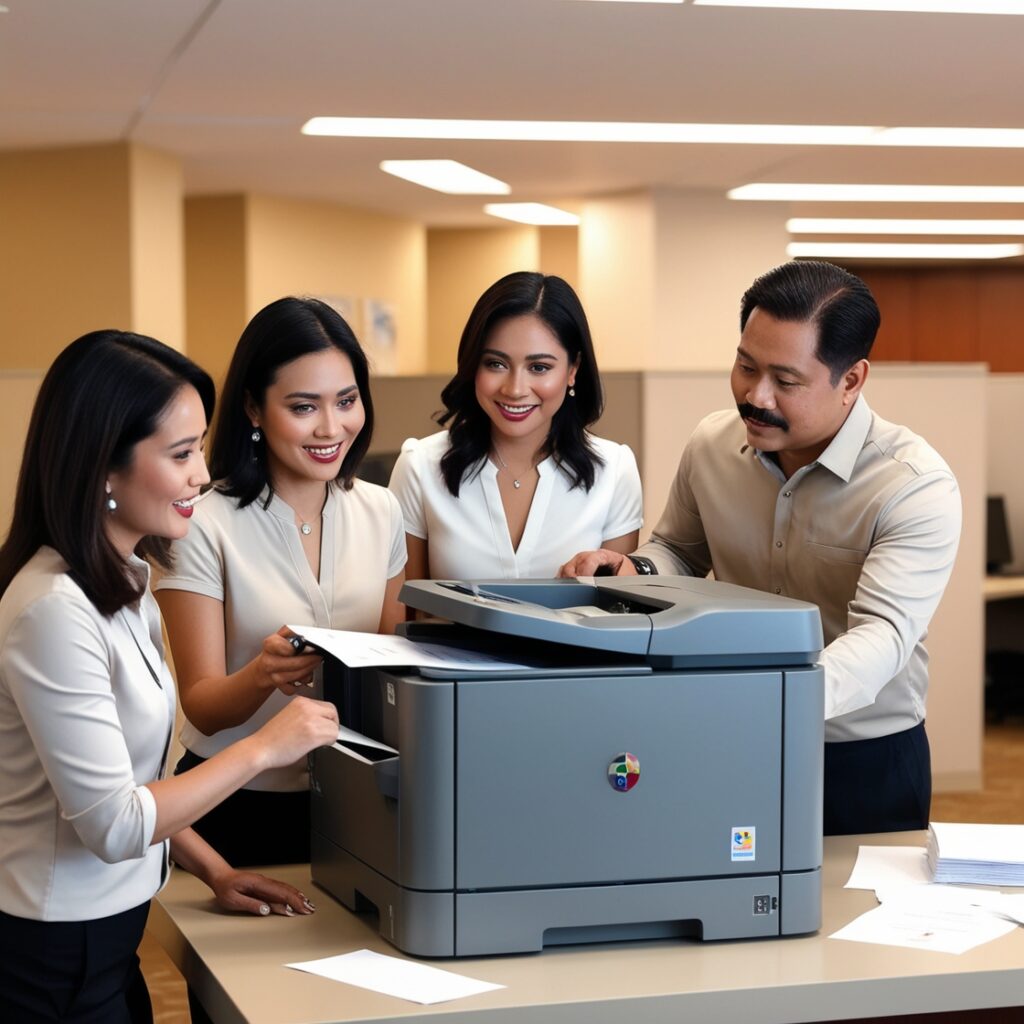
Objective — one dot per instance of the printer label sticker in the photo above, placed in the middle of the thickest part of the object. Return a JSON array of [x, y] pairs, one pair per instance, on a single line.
[[743, 845]]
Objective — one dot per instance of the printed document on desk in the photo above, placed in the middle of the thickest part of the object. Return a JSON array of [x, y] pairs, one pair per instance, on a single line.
[[373, 650]]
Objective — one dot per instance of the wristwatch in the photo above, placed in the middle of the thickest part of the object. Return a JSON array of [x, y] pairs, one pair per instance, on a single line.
[[643, 566]]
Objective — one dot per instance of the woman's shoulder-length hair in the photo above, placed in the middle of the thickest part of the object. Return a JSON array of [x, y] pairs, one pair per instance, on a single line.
[[106, 392], [281, 332], [553, 301]]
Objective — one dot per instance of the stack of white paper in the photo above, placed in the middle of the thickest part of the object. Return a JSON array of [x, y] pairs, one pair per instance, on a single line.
[[978, 854]]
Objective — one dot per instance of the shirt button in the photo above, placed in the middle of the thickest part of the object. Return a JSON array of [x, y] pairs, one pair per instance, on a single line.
[[787, 494], [778, 543]]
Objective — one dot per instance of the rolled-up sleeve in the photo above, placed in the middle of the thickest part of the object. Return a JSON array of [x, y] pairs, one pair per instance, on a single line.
[[903, 579], [56, 663]]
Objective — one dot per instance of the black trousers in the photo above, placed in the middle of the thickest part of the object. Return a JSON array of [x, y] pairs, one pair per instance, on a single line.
[[878, 785], [252, 827], [76, 972]]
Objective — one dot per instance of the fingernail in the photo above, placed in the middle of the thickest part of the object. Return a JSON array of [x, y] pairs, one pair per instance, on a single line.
[[264, 909], [309, 903], [288, 910]]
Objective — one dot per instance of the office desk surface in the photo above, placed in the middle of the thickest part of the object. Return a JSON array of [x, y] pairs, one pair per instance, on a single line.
[[235, 963]]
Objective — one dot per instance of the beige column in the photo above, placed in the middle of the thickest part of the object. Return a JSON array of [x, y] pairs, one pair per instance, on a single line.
[[92, 238], [662, 272]]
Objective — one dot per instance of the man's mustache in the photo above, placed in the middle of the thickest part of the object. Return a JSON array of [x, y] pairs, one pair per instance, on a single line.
[[752, 412]]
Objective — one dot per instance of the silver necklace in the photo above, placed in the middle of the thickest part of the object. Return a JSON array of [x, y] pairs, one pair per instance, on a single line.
[[516, 483]]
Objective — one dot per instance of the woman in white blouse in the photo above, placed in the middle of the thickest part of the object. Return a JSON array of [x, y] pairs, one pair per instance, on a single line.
[[516, 481], [113, 463], [288, 535]]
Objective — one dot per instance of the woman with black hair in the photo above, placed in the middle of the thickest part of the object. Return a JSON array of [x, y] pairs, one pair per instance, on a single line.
[[112, 467], [516, 481], [288, 534]]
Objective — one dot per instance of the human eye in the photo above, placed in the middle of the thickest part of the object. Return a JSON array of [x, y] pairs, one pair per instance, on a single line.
[[348, 401], [744, 367], [490, 363], [184, 455], [301, 408], [540, 368], [787, 384]]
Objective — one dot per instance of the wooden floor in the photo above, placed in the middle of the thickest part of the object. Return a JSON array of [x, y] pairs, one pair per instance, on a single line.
[[1002, 800]]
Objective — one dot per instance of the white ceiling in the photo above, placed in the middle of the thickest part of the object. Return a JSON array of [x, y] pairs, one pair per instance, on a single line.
[[226, 85]]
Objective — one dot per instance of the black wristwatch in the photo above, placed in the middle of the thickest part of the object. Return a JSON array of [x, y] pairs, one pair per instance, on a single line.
[[643, 566]]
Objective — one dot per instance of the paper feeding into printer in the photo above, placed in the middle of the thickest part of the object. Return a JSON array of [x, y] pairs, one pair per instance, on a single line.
[[647, 762]]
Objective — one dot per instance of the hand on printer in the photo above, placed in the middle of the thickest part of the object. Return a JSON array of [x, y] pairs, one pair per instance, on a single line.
[[598, 563]]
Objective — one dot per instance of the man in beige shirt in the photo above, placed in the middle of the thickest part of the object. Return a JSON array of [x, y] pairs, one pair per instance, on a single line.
[[804, 491]]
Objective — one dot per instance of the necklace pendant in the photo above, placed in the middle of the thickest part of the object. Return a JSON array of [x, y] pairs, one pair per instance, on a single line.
[[516, 484], [306, 529]]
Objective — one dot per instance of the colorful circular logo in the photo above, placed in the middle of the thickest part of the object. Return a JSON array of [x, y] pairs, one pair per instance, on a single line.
[[624, 772]]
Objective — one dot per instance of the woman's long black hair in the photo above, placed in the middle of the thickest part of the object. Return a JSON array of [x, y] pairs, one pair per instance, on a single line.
[[279, 333], [106, 392], [558, 307]]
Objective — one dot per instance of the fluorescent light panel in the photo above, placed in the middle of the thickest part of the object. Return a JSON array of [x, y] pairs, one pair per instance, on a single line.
[[805, 192], [446, 176], [590, 131], [890, 226], [905, 250], [665, 132], [531, 213], [906, 6]]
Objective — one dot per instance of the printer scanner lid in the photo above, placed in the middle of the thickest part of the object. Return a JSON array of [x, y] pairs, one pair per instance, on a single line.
[[669, 620]]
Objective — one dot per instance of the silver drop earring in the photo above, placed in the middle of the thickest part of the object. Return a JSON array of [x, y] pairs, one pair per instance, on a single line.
[[572, 392], [111, 504], [256, 435]]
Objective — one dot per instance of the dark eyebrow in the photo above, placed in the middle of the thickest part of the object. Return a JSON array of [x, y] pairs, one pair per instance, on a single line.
[[792, 371], [529, 358], [185, 441], [315, 395]]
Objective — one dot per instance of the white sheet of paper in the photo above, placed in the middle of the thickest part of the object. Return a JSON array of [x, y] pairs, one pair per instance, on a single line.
[[392, 976], [880, 867], [947, 929], [1010, 906], [347, 735], [369, 650]]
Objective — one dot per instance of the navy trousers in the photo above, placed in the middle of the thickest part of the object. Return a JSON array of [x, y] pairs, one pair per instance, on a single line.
[[76, 972], [878, 785]]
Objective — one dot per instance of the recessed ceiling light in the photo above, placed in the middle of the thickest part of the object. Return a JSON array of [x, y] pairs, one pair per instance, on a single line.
[[906, 6], [531, 213], [446, 176], [796, 192], [591, 131], [904, 226], [905, 250]]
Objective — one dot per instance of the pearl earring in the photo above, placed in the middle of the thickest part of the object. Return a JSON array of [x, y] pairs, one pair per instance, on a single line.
[[256, 435], [111, 504], [572, 391]]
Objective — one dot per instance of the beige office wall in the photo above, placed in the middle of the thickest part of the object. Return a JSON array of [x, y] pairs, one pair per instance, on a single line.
[[157, 245], [461, 264], [17, 393], [560, 253], [65, 252], [359, 261], [216, 255], [708, 250], [920, 396], [617, 278]]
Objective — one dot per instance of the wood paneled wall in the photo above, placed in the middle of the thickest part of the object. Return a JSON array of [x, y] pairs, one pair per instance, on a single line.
[[949, 314]]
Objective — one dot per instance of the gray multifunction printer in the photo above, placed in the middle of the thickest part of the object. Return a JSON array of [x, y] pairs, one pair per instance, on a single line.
[[653, 770]]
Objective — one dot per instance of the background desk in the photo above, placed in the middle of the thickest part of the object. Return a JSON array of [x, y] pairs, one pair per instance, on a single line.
[[998, 588], [235, 964]]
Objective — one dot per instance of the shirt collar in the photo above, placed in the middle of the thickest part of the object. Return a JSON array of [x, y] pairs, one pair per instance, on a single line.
[[843, 450], [841, 455]]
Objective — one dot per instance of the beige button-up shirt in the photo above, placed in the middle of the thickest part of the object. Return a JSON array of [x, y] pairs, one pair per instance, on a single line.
[[868, 532]]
